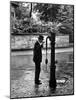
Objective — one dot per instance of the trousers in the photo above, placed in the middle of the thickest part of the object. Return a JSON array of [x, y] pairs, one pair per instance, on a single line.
[[37, 71]]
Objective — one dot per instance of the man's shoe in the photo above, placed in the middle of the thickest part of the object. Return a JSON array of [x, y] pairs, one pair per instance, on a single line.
[[38, 83]]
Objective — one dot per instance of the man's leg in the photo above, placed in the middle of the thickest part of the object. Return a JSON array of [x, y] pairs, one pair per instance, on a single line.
[[39, 69], [37, 72]]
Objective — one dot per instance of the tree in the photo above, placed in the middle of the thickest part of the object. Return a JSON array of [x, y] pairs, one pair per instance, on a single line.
[[47, 12], [66, 17], [21, 21], [63, 14]]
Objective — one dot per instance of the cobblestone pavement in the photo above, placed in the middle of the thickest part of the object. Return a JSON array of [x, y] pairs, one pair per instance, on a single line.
[[22, 77]]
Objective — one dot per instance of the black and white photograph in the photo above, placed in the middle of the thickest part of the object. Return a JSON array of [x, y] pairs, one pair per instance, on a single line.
[[41, 49]]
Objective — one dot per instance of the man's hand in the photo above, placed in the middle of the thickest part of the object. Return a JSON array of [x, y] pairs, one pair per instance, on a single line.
[[42, 44]]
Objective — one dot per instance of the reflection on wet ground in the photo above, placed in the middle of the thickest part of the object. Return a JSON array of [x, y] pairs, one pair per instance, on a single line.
[[19, 64], [22, 76]]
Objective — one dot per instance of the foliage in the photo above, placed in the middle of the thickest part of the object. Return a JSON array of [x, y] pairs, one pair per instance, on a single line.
[[57, 13], [67, 18], [47, 12]]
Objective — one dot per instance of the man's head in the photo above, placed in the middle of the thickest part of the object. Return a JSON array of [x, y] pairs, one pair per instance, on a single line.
[[40, 38]]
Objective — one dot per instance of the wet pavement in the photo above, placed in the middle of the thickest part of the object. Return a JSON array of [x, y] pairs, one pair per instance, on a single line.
[[23, 72]]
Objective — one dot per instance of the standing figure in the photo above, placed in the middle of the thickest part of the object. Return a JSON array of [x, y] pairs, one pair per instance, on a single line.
[[37, 58]]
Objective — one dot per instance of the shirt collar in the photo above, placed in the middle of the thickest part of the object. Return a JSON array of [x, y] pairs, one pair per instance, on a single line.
[[40, 43]]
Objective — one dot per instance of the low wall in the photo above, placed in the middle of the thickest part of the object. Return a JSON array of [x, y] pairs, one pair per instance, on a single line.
[[27, 41]]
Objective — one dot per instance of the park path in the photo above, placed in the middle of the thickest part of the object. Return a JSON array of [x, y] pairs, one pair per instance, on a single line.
[[23, 69]]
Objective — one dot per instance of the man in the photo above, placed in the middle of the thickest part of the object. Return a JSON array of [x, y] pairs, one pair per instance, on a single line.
[[37, 58]]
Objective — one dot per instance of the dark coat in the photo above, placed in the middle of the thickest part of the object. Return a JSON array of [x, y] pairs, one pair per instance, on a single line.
[[37, 53]]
